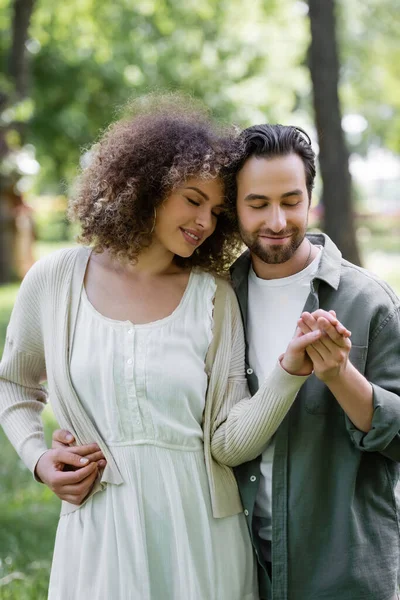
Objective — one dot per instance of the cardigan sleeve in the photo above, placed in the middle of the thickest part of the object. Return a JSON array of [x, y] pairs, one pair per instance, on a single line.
[[244, 425], [22, 367]]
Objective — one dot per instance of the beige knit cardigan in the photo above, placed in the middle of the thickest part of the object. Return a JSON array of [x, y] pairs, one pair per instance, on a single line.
[[39, 337]]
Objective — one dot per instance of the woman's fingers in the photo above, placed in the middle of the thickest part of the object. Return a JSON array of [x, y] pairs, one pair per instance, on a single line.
[[300, 342], [312, 318]]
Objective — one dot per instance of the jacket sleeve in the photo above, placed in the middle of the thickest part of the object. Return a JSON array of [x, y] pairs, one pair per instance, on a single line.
[[22, 367], [383, 372], [244, 424]]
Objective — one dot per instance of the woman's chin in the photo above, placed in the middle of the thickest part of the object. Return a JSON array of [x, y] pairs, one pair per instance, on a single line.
[[185, 253]]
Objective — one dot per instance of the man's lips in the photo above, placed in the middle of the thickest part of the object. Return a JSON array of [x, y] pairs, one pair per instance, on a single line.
[[192, 237], [275, 239]]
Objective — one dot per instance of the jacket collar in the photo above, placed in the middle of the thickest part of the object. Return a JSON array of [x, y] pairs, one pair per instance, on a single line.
[[329, 267]]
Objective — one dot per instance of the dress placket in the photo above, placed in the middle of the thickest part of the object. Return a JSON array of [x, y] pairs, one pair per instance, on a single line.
[[134, 420], [143, 337]]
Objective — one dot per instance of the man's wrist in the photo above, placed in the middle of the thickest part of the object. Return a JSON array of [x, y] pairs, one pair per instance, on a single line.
[[340, 378]]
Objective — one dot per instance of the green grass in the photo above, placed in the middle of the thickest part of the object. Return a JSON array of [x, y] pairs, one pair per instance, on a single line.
[[28, 520], [28, 510]]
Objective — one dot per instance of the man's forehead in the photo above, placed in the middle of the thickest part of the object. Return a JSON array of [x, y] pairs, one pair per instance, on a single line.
[[260, 169]]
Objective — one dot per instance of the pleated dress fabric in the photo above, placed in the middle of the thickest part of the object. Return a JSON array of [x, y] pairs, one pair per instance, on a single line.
[[154, 536]]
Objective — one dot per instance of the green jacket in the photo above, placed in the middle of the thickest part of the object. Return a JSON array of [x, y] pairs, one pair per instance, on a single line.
[[335, 525]]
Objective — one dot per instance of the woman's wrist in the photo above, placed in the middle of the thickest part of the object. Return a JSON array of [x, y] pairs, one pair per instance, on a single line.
[[292, 369]]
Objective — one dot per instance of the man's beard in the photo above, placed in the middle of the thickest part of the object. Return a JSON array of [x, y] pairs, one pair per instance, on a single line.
[[273, 254]]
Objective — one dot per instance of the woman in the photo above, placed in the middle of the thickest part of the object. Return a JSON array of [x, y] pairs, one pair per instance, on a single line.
[[140, 361]]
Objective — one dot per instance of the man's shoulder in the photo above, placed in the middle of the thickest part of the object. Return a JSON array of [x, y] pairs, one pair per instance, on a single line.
[[241, 264], [363, 283]]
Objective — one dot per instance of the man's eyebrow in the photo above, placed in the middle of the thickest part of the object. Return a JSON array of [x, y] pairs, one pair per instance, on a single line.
[[292, 193], [251, 197], [195, 189]]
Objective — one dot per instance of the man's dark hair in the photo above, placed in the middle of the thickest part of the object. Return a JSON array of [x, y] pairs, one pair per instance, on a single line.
[[269, 141]]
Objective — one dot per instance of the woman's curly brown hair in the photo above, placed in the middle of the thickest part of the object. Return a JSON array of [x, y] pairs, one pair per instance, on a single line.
[[161, 142]]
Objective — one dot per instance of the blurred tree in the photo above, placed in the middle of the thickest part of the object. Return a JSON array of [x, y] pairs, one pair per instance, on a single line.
[[333, 155], [370, 71], [12, 98]]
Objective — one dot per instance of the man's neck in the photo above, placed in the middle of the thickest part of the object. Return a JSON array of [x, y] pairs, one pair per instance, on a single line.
[[303, 256]]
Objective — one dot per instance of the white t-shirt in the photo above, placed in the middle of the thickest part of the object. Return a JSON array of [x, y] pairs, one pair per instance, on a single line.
[[274, 306]]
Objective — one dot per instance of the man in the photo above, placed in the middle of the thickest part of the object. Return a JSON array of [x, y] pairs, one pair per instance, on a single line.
[[320, 501]]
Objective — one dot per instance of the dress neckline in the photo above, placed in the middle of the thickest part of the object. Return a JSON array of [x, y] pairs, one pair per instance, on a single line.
[[127, 323]]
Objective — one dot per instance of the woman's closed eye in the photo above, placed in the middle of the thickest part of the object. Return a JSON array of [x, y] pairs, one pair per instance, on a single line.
[[215, 213], [191, 201]]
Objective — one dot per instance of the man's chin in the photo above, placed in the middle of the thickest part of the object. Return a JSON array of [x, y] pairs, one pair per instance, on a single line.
[[272, 254]]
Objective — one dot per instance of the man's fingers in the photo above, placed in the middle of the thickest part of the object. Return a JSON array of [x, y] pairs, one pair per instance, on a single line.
[[320, 312], [331, 318], [312, 322], [332, 333], [63, 478], [321, 347], [90, 451], [62, 436], [66, 457], [81, 488], [314, 355]]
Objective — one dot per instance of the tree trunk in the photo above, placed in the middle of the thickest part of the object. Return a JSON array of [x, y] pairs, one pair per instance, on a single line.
[[333, 155], [18, 70]]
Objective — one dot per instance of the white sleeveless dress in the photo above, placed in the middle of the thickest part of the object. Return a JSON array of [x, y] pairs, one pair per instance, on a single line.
[[154, 536]]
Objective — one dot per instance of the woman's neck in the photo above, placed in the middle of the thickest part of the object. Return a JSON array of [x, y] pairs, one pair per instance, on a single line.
[[151, 262]]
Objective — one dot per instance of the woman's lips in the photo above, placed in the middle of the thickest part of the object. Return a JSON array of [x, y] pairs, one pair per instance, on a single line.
[[190, 237]]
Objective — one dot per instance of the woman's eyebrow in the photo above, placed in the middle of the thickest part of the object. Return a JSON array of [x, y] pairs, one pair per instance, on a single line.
[[195, 189]]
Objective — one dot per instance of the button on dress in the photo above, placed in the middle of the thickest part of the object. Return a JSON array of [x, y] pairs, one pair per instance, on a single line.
[[154, 536]]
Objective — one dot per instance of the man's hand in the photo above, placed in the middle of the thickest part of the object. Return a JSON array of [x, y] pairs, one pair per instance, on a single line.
[[72, 486], [330, 352], [70, 471], [63, 439]]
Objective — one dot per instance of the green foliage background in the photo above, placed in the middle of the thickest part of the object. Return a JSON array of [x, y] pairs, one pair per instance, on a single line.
[[247, 62]]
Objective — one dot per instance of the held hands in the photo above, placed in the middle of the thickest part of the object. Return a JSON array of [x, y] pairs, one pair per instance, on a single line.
[[330, 352], [330, 337], [70, 471]]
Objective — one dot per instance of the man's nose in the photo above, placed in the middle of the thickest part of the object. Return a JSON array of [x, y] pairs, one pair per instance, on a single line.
[[277, 219]]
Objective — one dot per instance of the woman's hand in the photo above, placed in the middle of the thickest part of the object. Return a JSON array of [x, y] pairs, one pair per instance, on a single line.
[[330, 352], [296, 360], [71, 485]]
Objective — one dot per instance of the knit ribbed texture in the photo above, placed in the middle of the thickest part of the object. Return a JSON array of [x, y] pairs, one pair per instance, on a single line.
[[235, 426]]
